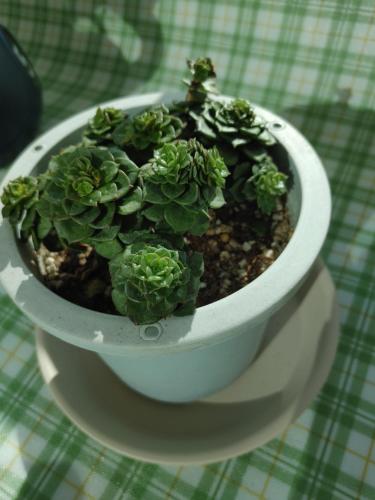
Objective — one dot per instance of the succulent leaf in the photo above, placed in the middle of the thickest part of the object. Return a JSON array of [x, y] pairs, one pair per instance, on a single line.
[[155, 213], [108, 249], [72, 232], [180, 218], [163, 237], [132, 203]]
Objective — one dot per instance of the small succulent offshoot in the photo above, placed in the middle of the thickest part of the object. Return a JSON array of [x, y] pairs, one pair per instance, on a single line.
[[203, 81], [18, 197], [100, 127], [19, 201], [260, 181], [149, 128], [139, 186], [269, 184]]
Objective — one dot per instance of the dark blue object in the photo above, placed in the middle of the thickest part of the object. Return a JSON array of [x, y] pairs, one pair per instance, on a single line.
[[20, 99]]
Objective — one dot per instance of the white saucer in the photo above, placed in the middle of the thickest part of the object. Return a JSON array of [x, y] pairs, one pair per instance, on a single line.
[[292, 366]]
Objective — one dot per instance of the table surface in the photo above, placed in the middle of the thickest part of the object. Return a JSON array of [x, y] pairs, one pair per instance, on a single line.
[[313, 62]]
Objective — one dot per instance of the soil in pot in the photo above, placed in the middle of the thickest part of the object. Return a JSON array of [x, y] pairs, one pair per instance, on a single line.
[[240, 244]]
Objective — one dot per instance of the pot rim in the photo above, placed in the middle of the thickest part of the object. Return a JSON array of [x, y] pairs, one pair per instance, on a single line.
[[211, 323]]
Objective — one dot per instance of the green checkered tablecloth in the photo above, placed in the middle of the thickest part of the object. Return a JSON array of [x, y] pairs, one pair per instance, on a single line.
[[313, 62]]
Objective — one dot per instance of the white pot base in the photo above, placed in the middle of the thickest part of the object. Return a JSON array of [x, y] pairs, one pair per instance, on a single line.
[[293, 363]]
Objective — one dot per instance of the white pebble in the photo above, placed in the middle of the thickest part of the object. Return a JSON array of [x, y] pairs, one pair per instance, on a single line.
[[224, 255], [247, 245], [269, 253]]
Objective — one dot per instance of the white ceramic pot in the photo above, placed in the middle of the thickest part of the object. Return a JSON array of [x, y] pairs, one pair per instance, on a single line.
[[177, 359]]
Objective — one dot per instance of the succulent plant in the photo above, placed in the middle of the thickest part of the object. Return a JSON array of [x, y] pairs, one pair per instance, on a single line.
[[182, 182], [269, 186], [260, 181], [137, 186], [86, 187], [153, 127], [234, 122], [151, 282], [19, 198], [100, 127], [203, 80]]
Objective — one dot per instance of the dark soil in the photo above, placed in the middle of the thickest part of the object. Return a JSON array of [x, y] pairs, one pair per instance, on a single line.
[[239, 245], [78, 275]]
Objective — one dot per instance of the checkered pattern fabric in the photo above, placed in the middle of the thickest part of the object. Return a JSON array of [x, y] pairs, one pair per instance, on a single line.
[[311, 61]]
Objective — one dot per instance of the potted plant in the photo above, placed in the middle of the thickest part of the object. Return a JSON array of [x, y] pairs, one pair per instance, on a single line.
[[162, 234]]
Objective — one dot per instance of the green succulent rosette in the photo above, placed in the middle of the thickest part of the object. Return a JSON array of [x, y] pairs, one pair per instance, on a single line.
[[100, 127], [233, 122], [203, 81], [19, 199], [86, 191], [260, 181], [150, 282], [181, 183], [153, 127]]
